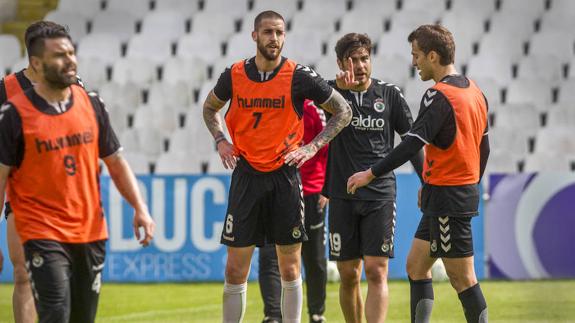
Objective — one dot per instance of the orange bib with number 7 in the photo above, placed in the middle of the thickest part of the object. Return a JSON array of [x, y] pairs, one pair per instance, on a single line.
[[262, 121], [55, 191]]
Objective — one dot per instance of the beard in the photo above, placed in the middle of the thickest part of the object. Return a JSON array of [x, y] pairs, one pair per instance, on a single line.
[[266, 52], [58, 78]]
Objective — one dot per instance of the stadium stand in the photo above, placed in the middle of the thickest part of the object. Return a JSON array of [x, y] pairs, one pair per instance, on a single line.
[[154, 61]]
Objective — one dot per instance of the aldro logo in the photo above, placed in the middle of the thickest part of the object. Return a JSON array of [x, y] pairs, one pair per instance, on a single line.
[[367, 123]]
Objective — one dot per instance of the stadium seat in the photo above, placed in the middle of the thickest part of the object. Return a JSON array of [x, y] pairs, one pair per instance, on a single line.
[[567, 92], [487, 65], [178, 163], [304, 47], [170, 24], [504, 137], [327, 66], [148, 141], [139, 48], [561, 115], [558, 44], [192, 71], [186, 7], [555, 139], [502, 161], [137, 8], [240, 46], [563, 5], [394, 44], [159, 117], [118, 118], [76, 23], [408, 20], [433, 7], [286, 8], [356, 23], [394, 69], [139, 71], [558, 21], [547, 162], [527, 10], [529, 91], [199, 45], [139, 163], [86, 8], [20, 64], [124, 96], [205, 90], [120, 24], [481, 9], [318, 21], [512, 25], [491, 89], [377, 8], [92, 71], [544, 68], [165, 94], [501, 44], [467, 29], [236, 8], [10, 49], [103, 46], [197, 141], [415, 88], [204, 23], [523, 117]]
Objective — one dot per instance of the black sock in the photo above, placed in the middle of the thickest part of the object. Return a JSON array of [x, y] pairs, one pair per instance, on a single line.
[[421, 300], [474, 304]]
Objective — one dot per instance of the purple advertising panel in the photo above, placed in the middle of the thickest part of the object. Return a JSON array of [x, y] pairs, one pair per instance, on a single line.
[[530, 226]]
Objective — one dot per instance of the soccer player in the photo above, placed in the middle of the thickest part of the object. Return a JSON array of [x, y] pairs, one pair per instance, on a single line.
[[265, 123], [51, 137], [22, 299], [313, 251], [452, 125], [361, 226]]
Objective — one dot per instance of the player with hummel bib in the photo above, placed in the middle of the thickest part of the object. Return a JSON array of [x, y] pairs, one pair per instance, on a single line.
[[361, 226]]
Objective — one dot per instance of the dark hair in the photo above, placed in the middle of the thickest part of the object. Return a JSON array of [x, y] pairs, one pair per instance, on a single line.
[[268, 14], [37, 32], [435, 38], [350, 43]]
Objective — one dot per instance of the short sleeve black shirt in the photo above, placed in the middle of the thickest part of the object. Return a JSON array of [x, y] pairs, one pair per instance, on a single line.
[[378, 113]]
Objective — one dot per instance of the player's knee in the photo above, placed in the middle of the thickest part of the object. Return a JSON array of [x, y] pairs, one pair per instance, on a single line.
[[235, 275], [349, 275], [415, 271], [20, 275], [290, 272], [376, 273], [461, 280]]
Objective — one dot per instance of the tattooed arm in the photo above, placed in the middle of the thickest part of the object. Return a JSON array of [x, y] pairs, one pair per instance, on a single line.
[[213, 121], [341, 117]]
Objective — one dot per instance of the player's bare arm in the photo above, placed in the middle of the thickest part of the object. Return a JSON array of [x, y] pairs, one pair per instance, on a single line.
[[341, 117], [125, 181], [213, 121]]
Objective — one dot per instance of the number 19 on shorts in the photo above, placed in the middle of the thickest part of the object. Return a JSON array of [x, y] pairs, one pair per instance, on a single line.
[[334, 243]]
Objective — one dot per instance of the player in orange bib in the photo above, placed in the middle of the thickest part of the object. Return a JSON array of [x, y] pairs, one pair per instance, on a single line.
[[452, 125], [264, 119], [51, 138]]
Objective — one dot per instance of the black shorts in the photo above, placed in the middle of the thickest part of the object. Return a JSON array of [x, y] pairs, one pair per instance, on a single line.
[[264, 207], [360, 228], [449, 237], [65, 279], [7, 210]]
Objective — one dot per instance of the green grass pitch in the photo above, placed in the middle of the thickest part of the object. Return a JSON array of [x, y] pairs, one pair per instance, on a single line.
[[526, 302]]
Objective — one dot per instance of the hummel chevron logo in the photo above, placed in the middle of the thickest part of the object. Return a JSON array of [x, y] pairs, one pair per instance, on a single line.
[[307, 69], [445, 238], [446, 248], [5, 107], [427, 102], [444, 228], [431, 93], [444, 219]]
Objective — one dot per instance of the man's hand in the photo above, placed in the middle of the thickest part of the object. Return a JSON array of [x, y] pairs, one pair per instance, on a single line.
[[322, 202], [299, 156], [228, 154], [345, 79], [142, 219], [358, 180]]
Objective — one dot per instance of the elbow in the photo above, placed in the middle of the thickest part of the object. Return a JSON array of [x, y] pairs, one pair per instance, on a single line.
[[346, 116]]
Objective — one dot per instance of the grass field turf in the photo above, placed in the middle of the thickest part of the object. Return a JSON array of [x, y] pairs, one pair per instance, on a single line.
[[529, 302]]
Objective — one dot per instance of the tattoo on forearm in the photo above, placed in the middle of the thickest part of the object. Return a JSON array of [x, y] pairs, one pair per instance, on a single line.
[[341, 117], [212, 118]]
